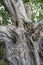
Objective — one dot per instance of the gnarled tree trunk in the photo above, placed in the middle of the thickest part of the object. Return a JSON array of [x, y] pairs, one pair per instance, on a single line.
[[24, 44]]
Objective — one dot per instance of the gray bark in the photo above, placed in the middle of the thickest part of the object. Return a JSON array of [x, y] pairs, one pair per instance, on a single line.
[[16, 10], [28, 10], [24, 44], [21, 48]]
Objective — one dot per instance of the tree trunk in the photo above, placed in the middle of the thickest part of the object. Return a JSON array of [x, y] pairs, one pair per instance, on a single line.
[[28, 10], [22, 42]]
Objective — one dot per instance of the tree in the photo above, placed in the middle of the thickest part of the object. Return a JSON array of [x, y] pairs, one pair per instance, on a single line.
[[22, 37]]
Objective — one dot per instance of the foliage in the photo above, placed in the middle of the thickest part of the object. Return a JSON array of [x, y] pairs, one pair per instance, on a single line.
[[37, 9], [37, 12], [4, 16]]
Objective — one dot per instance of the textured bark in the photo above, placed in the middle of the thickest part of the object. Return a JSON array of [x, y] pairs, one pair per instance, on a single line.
[[28, 10], [16, 8], [22, 48], [24, 44], [9, 8]]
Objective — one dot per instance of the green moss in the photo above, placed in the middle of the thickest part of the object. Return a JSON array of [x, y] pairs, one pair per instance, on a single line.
[[2, 50], [2, 62], [2, 54]]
